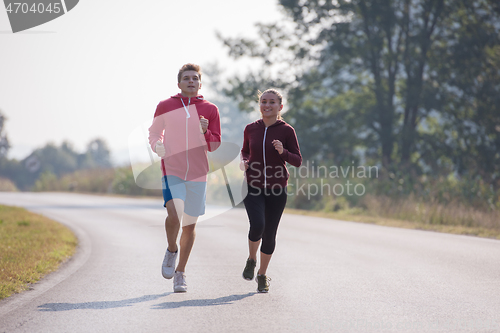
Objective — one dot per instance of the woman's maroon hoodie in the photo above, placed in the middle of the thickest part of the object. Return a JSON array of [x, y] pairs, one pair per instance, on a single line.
[[266, 167]]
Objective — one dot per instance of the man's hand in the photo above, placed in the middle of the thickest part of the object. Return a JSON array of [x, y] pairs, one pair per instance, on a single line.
[[160, 149], [203, 124], [244, 165]]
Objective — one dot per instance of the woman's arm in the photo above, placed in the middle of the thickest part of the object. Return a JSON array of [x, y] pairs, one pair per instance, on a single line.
[[245, 150], [291, 150]]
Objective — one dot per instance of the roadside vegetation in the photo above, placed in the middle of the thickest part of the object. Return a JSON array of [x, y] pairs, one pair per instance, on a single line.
[[31, 246], [365, 216], [443, 204]]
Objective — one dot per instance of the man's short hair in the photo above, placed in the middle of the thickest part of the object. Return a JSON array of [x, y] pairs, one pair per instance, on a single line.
[[188, 67]]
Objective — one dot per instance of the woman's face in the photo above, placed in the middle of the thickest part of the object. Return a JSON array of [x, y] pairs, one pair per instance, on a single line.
[[270, 105]]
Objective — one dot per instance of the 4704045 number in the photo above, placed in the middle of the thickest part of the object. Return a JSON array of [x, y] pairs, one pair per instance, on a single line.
[[23, 7]]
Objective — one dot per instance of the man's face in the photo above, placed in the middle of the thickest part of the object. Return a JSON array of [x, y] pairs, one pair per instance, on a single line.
[[190, 83]]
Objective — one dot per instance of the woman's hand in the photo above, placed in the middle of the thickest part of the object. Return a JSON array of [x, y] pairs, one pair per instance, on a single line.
[[278, 146]]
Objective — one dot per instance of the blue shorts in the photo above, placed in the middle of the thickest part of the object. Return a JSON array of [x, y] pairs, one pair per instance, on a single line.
[[192, 193]]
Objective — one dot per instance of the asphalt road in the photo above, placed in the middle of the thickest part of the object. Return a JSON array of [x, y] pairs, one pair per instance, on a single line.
[[327, 276]]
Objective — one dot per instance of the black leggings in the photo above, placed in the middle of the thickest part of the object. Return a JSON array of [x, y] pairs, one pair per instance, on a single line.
[[264, 209]]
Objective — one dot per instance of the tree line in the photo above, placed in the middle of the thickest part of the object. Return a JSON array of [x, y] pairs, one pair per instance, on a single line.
[[50, 159], [412, 86]]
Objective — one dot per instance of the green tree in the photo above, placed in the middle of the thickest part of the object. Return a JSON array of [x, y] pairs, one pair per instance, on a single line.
[[233, 122], [4, 141], [396, 80], [465, 77], [58, 161], [96, 156]]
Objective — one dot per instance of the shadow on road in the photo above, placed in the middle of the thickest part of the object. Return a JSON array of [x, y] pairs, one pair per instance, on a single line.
[[202, 302], [103, 305], [99, 305]]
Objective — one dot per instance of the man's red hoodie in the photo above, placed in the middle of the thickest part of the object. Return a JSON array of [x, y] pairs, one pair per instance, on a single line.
[[177, 125]]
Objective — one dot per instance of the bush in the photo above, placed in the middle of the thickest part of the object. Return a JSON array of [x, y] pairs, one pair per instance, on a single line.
[[124, 183], [90, 181], [6, 185], [431, 200]]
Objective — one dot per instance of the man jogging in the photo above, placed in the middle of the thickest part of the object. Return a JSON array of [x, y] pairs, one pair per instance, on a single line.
[[184, 128]]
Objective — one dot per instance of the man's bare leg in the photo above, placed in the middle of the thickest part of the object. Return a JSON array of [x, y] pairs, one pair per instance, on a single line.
[[188, 236], [173, 222]]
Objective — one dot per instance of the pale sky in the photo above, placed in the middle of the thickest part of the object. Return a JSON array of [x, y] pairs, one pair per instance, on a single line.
[[101, 69]]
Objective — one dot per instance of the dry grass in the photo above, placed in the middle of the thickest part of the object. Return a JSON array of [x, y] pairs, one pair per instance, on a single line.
[[407, 213], [31, 246], [7, 185], [432, 213]]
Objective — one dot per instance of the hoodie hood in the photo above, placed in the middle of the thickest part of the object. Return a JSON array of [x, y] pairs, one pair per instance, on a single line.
[[277, 123], [195, 99]]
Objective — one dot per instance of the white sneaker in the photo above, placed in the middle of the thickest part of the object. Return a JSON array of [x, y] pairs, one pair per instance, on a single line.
[[168, 266], [180, 285]]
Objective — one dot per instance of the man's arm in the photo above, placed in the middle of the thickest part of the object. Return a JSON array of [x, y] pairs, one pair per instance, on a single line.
[[213, 133], [156, 131]]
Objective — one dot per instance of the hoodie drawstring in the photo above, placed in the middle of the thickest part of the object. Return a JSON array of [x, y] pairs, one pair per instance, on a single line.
[[187, 140]]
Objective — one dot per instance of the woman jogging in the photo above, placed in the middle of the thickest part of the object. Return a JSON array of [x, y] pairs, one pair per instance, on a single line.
[[268, 144]]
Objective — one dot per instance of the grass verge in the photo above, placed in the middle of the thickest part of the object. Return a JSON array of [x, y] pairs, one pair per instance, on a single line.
[[356, 215], [31, 246]]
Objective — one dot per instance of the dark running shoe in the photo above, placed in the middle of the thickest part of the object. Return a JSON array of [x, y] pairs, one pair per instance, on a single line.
[[249, 270], [262, 283]]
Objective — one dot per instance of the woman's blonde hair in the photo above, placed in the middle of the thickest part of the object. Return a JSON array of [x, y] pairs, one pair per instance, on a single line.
[[272, 91]]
